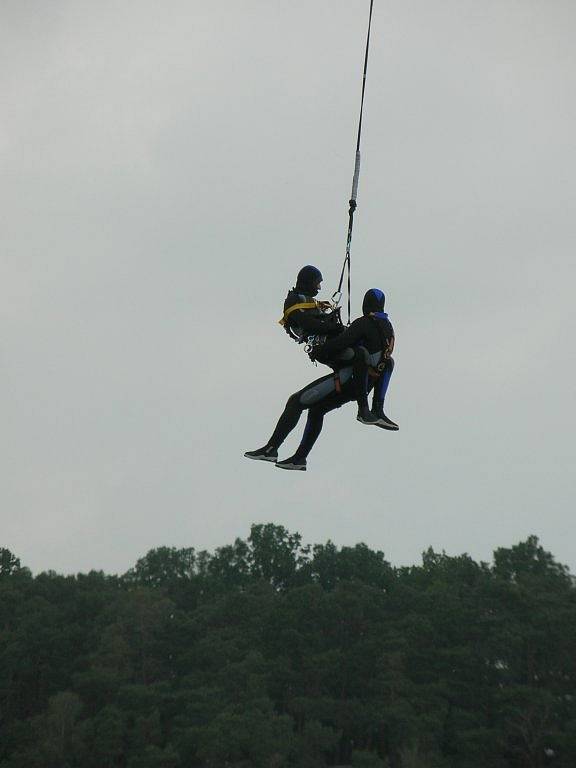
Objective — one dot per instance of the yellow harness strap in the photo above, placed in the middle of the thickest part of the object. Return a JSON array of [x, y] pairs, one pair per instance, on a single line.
[[295, 308]]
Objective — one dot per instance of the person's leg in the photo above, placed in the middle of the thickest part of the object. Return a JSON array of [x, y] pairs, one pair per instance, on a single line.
[[380, 389], [287, 421], [343, 359], [297, 402], [359, 359], [314, 424], [312, 430], [360, 378], [360, 366]]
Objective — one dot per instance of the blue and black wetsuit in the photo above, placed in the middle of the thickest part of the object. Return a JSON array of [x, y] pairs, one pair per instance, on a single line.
[[373, 334]]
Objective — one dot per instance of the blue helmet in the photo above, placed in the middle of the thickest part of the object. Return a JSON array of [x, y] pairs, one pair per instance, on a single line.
[[373, 301]]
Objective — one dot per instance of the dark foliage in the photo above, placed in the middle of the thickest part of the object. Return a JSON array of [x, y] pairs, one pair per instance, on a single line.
[[271, 654]]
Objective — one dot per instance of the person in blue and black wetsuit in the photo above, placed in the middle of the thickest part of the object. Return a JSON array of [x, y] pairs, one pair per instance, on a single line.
[[372, 335]]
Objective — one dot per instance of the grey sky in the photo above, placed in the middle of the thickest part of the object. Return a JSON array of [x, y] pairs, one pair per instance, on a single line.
[[166, 168]]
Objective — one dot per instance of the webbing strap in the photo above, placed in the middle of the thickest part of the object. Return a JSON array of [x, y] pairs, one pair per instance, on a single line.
[[356, 177], [295, 308]]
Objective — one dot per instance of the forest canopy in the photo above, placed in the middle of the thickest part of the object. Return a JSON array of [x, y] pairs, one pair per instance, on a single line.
[[269, 653]]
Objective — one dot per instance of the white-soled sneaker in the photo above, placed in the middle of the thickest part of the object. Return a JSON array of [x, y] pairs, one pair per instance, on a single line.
[[365, 416], [385, 423], [292, 463], [268, 453]]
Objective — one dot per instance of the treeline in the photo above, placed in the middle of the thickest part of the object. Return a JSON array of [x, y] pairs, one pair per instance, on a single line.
[[271, 654]]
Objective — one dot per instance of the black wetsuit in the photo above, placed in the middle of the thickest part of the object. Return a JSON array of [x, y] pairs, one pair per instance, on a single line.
[[373, 333], [304, 323]]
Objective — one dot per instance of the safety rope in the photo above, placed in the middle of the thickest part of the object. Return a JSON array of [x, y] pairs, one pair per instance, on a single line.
[[353, 196]]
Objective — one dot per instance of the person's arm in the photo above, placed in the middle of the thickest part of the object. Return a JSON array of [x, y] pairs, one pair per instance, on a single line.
[[313, 323], [351, 336]]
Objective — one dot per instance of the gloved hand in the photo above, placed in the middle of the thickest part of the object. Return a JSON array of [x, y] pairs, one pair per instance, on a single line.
[[317, 353], [335, 317], [313, 354]]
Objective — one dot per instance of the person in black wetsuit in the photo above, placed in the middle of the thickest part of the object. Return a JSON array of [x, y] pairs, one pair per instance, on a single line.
[[310, 322], [374, 334], [304, 317]]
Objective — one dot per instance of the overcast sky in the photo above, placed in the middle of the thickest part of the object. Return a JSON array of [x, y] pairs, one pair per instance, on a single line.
[[165, 170]]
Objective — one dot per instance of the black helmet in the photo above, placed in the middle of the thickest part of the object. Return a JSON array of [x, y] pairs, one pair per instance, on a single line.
[[373, 301], [308, 280]]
